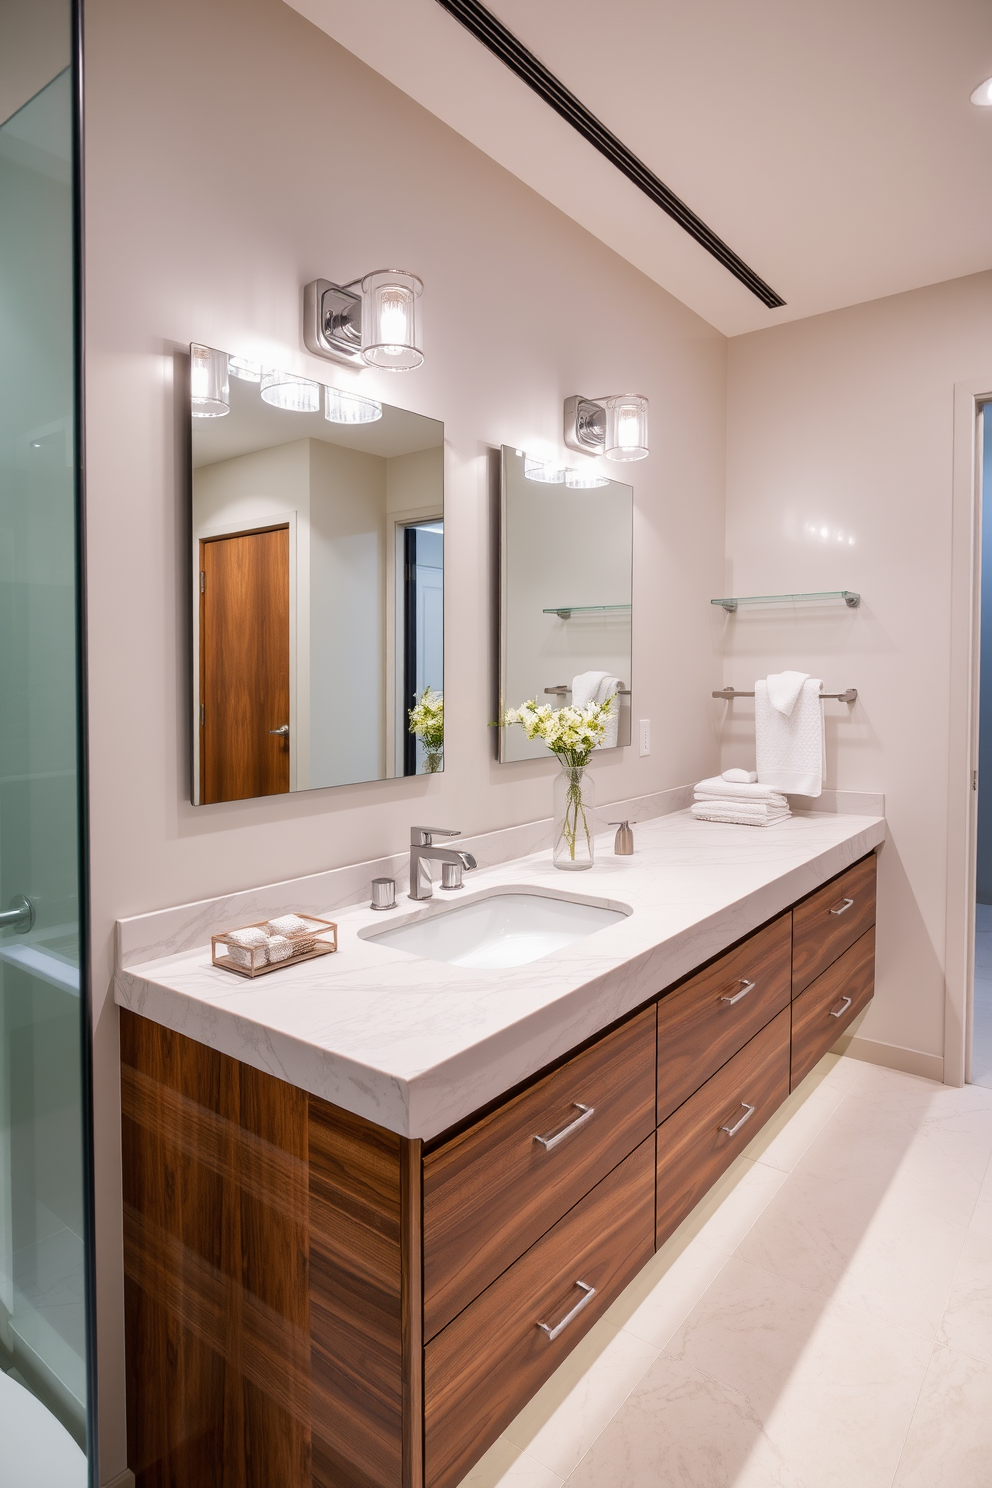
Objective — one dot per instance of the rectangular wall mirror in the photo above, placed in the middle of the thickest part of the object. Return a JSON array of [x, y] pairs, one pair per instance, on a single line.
[[318, 582], [566, 553]]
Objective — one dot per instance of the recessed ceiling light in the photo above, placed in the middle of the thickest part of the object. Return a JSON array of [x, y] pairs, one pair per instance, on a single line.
[[983, 94]]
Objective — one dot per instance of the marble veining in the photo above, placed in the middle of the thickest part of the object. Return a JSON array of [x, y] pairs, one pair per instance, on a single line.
[[417, 1045]]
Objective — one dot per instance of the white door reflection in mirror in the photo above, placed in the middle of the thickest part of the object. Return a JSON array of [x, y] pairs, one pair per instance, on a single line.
[[331, 640]]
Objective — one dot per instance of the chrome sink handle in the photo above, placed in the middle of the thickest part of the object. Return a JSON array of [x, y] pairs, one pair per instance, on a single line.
[[553, 1332], [745, 987], [842, 907], [733, 1130], [421, 836], [550, 1143]]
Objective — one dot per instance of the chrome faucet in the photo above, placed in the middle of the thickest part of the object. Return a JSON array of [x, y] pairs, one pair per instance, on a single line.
[[423, 853]]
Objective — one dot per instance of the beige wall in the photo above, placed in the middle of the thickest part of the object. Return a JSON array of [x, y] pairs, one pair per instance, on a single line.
[[218, 183], [845, 422]]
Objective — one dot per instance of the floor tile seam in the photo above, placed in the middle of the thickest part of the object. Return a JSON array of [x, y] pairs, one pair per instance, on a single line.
[[956, 1348], [612, 1417], [549, 1470], [895, 1328], [912, 1414]]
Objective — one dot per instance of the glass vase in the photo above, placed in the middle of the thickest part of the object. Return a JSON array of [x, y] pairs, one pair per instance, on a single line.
[[433, 760], [574, 818]]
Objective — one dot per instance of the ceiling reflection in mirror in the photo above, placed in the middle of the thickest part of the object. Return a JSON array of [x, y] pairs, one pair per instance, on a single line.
[[566, 555], [318, 584]]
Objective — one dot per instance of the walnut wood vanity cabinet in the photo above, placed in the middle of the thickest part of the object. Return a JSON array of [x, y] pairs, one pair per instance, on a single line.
[[315, 1302]]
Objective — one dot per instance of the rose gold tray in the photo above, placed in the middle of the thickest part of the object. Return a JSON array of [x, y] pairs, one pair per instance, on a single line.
[[321, 940]]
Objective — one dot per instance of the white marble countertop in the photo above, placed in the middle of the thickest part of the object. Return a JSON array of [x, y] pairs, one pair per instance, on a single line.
[[417, 1045]]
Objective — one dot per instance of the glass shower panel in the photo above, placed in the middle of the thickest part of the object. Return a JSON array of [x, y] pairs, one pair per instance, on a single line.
[[43, 1324]]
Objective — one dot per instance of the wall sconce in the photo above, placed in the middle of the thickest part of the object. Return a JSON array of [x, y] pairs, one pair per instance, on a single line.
[[209, 390], [350, 408], [286, 390], [615, 426], [374, 321]]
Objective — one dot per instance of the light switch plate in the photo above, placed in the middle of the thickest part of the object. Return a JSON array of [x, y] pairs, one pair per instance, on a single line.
[[644, 736]]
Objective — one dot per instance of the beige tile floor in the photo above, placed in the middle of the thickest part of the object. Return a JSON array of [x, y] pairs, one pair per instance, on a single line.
[[822, 1320]]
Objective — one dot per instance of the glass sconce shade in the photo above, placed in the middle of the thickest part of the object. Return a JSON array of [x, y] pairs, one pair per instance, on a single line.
[[391, 320], [350, 408], [247, 371], [585, 480], [545, 471], [626, 427], [209, 393], [286, 390]]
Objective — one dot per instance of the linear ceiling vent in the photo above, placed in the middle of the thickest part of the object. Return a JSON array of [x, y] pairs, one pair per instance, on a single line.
[[485, 27]]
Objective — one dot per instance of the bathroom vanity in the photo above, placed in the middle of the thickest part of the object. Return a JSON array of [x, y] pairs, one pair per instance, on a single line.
[[354, 1271]]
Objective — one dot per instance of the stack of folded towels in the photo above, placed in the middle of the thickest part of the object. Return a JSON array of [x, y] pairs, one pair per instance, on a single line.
[[736, 796]]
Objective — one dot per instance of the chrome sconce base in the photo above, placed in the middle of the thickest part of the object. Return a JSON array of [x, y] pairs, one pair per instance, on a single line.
[[585, 425], [332, 321]]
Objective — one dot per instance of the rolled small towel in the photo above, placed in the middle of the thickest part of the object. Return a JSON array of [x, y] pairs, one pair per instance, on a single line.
[[740, 777], [279, 948], [289, 924], [301, 947], [250, 947]]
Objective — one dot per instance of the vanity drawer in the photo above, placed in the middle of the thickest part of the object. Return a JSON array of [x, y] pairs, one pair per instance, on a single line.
[[485, 1365], [705, 1021], [825, 924], [694, 1145], [823, 1011], [497, 1187]]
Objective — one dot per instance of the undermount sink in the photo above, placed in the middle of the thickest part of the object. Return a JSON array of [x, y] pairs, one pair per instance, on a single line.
[[499, 930]]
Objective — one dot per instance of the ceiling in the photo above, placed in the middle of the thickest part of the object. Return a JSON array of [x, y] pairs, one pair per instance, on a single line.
[[832, 146]]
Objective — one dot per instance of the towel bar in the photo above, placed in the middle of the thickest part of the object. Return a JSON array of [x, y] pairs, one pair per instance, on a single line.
[[850, 696], [563, 687]]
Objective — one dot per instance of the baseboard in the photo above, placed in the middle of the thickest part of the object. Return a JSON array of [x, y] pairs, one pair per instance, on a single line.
[[123, 1479], [891, 1056]]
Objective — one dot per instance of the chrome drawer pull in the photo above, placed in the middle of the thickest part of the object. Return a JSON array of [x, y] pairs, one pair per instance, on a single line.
[[745, 987], [733, 1130], [842, 907], [839, 1012], [590, 1292], [549, 1143]]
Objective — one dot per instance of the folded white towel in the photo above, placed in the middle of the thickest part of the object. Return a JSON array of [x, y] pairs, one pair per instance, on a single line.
[[279, 948], [741, 815], [250, 947], [790, 747], [725, 790], [597, 687], [773, 799], [784, 689], [740, 777], [289, 924]]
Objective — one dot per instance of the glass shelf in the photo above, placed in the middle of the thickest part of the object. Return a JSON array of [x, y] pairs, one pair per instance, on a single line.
[[730, 604], [565, 612]]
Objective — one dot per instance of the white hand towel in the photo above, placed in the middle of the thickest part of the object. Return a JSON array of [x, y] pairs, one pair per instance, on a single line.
[[723, 789], [740, 777], [790, 748], [738, 813], [784, 689], [596, 687]]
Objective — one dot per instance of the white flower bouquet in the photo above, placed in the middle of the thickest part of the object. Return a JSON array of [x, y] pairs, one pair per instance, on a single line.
[[427, 723], [571, 734]]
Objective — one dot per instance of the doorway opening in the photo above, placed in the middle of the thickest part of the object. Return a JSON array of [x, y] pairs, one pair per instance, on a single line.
[[981, 1033], [423, 626]]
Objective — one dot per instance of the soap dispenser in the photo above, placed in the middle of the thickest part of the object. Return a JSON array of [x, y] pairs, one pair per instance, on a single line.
[[623, 845]]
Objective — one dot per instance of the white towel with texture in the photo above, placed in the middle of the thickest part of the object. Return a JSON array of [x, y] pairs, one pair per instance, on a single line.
[[789, 733], [596, 687], [719, 789], [740, 777], [739, 812]]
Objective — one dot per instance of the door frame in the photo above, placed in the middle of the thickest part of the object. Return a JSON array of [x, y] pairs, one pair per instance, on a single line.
[[299, 646], [965, 679]]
